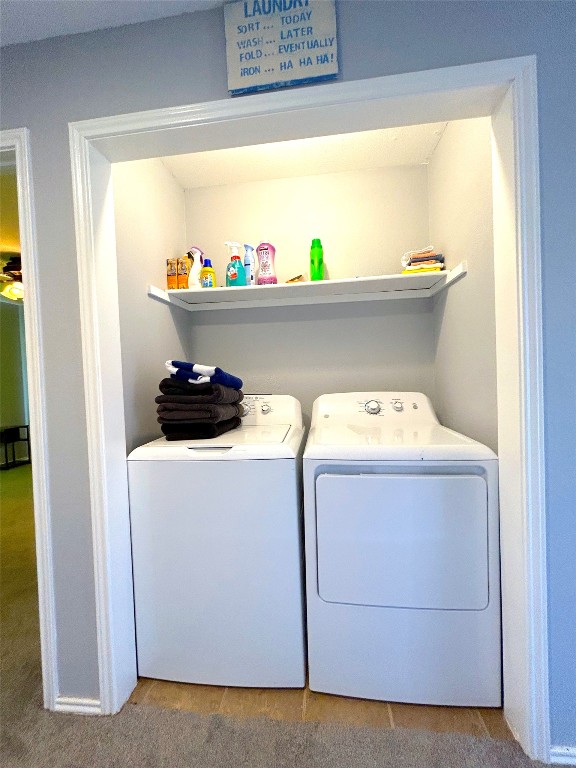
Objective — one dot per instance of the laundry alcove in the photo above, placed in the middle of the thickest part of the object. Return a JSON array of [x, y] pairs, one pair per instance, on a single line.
[[470, 348], [371, 196]]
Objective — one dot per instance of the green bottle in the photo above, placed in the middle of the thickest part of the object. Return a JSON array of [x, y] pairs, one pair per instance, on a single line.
[[316, 260]]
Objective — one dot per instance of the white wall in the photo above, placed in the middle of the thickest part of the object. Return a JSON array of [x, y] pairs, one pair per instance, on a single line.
[[371, 217], [365, 219], [150, 227], [460, 195], [307, 351]]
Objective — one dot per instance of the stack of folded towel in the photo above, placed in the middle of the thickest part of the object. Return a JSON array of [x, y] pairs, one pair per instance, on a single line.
[[424, 260], [198, 401]]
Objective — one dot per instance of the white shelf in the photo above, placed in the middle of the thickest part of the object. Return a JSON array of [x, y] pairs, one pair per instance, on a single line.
[[418, 286]]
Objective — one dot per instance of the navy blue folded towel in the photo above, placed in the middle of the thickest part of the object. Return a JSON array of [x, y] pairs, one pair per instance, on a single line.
[[197, 373]]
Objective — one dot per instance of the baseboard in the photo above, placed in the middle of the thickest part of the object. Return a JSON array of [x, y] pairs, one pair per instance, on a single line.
[[563, 755], [77, 706]]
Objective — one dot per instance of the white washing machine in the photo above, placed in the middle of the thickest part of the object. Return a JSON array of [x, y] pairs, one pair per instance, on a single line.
[[217, 556], [402, 554]]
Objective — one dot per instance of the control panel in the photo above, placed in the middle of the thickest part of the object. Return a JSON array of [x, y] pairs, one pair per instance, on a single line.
[[271, 409], [396, 406], [376, 407]]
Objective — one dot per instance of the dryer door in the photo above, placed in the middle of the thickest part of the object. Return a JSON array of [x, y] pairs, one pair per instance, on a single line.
[[405, 541]]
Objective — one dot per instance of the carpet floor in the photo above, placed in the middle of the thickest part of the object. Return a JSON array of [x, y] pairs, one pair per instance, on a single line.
[[148, 737], [151, 737]]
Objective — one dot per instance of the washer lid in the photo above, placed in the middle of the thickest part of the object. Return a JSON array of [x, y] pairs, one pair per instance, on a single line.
[[248, 441], [376, 440]]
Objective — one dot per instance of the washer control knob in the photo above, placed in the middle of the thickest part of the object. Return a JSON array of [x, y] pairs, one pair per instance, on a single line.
[[265, 408], [372, 406], [397, 405]]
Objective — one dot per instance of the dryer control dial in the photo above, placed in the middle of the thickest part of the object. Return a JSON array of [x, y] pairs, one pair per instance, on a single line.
[[397, 405], [372, 406], [265, 408]]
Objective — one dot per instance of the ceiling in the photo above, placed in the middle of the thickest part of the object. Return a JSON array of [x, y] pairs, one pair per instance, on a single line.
[[366, 150], [22, 21]]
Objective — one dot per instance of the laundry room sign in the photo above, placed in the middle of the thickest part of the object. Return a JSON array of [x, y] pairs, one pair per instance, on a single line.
[[276, 43]]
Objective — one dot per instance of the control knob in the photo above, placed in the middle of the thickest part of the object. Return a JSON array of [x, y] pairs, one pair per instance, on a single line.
[[372, 406], [397, 405], [265, 408]]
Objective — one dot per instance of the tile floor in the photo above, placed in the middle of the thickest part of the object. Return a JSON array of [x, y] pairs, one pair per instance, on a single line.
[[306, 705]]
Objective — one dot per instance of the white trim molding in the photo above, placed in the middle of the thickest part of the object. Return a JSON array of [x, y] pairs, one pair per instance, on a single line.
[[563, 755], [18, 140], [531, 360], [105, 427], [77, 706], [472, 90]]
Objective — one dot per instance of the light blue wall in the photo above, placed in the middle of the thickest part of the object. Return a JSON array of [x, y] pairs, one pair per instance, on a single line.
[[181, 60]]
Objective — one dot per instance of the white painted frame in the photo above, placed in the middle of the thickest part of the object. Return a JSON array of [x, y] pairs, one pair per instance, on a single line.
[[434, 95], [18, 141]]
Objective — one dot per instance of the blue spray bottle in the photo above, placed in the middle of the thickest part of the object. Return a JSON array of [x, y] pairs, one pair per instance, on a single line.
[[235, 273], [249, 264]]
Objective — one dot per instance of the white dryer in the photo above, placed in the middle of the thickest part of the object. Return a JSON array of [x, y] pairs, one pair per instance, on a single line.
[[402, 554], [217, 555]]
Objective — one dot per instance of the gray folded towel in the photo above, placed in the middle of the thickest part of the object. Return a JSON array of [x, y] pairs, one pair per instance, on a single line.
[[197, 393], [208, 412]]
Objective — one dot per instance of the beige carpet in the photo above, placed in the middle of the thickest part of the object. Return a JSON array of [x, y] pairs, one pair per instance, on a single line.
[[149, 737]]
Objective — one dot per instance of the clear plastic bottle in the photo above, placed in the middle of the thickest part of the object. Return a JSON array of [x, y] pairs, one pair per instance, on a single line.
[[195, 255], [249, 264], [316, 260]]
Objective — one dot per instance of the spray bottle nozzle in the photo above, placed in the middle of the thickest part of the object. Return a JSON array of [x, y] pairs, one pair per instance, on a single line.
[[195, 253], [233, 248]]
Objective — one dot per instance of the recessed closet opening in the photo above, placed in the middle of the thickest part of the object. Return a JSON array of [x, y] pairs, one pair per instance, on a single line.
[[148, 187], [371, 196]]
